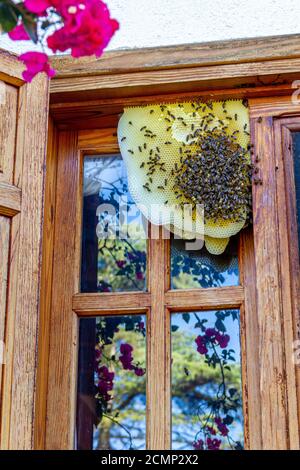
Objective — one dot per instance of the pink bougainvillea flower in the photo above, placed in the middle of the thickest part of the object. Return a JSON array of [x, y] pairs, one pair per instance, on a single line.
[[223, 429], [198, 445], [36, 62], [223, 340], [38, 7], [201, 345], [87, 28], [19, 33]]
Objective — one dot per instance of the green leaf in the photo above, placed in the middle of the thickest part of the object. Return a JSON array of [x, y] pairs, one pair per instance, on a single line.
[[8, 18], [174, 328], [186, 317]]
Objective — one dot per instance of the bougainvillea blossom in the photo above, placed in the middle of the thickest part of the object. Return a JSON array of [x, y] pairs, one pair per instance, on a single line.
[[36, 62]]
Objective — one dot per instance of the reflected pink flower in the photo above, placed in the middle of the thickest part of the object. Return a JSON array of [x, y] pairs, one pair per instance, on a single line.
[[198, 445], [139, 371], [19, 33], [213, 444], [201, 345], [221, 427]]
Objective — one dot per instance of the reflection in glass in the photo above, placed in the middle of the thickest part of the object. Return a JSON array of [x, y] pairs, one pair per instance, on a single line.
[[194, 269], [111, 400], [114, 241], [206, 381], [296, 142]]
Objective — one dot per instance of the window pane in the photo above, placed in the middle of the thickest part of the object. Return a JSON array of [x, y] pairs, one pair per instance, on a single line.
[[194, 269], [206, 381], [296, 141], [111, 398], [114, 241]]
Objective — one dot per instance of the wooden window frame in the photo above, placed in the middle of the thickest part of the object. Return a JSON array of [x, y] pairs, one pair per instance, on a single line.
[[84, 114]]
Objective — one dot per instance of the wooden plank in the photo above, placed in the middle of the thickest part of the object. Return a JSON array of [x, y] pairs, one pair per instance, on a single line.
[[4, 259], [93, 304], [272, 370], [8, 122], [186, 55], [249, 344], [46, 287], [11, 68], [63, 326], [23, 292], [205, 299], [105, 113], [289, 262], [275, 106], [158, 352], [175, 80], [104, 139], [10, 199]]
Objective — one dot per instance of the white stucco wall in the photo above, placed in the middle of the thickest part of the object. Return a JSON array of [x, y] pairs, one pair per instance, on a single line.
[[151, 23]]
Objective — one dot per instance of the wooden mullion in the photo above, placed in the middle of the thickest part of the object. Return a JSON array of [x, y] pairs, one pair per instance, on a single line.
[[158, 352]]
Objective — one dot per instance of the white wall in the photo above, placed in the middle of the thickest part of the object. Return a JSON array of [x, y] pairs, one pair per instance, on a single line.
[[151, 23]]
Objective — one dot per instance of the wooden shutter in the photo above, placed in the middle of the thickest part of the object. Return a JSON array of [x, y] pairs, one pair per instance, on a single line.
[[23, 126]]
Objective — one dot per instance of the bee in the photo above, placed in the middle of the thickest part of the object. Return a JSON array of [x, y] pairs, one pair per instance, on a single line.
[[142, 165], [123, 138], [151, 111], [131, 151], [142, 128], [130, 123]]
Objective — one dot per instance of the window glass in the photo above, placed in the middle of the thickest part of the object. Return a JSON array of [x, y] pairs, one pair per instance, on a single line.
[[114, 244], [194, 269], [296, 142]]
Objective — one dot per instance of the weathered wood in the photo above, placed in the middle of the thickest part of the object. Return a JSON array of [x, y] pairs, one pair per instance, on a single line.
[[275, 106], [93, 138], [98, 304], [4, 259], [31, 148], [11, 68], [204, 299], [182, 56], [46, 288], [158, 352], [175, 80], [289, 263], [22, 163], [249, 334], [8, 122], [63, 324], [272, 370]]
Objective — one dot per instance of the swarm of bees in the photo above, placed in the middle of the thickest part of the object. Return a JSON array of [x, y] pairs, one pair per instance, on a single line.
[[218, 176]]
